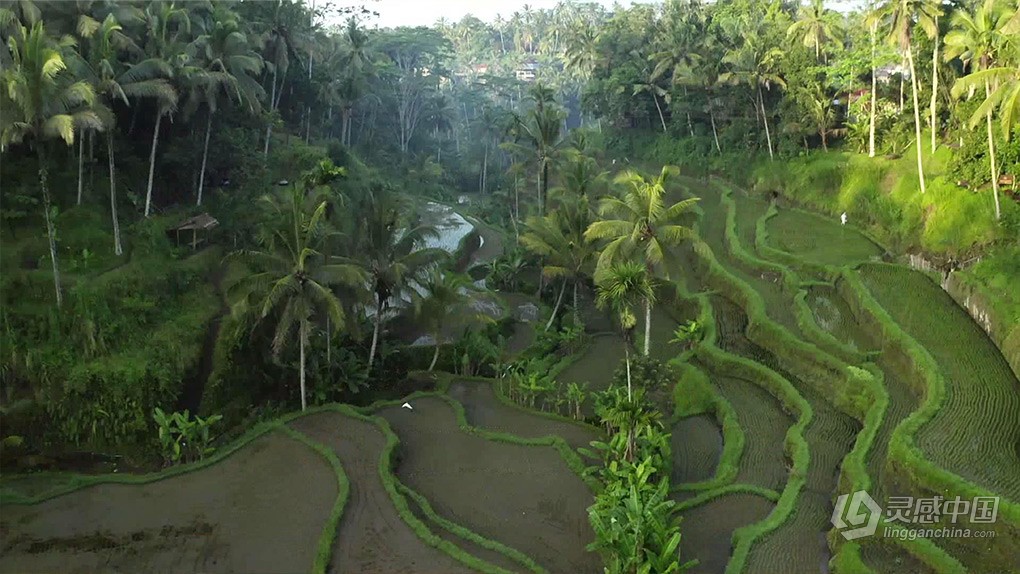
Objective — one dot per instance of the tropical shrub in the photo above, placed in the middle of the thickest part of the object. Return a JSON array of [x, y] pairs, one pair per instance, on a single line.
[[182, 438]]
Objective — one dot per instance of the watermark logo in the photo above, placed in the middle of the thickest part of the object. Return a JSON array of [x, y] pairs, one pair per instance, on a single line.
[[857, 515], [861, 511]]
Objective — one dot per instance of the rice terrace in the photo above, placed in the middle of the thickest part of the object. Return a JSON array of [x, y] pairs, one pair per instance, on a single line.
[[716, 287]]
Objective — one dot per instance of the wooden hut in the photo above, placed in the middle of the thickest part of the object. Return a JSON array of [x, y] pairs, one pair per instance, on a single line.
[[202, 222]]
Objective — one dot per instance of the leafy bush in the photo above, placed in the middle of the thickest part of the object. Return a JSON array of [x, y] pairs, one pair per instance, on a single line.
[[182, 438]]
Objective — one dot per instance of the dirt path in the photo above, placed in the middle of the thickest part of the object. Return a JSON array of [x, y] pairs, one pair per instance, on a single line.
[[372, 538], [525, 497], [260, 510]]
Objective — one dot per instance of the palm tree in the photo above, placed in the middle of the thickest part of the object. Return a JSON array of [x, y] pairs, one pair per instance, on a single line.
[[639, 227], [290, 279], [540, 130], [558, 238], [975, 39], [394, 254], [754, 64], [166, 27], [817, 26], [228, 65], [902, 15], [817, 109], [146, 79], [42, 100], [651, 86], [620, 287], [443, 296]]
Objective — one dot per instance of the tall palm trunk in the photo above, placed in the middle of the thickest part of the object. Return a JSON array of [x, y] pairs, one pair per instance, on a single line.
[[659, 108], [152, 162], [626, 356], [272, 106], [51, 232], [917, 118], [577, 312], [715, 133], [375, 330], [765, 120], [302, 328], [345, 132], [117, 249], [559, 299], [934, 83], [435, 355], [874, 96], [485, 165], [648, 325], [991, 158], [690, 126], [205, 156], [81, 164]]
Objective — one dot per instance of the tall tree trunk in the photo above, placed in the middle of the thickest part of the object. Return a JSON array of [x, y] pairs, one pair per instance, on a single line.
[[152, 162], [544, 196], [648, 325], [205, 156], [765, 119], [301, 336], [51, 232], [825, 145], [556, 308], [991, 158], [344, 125], [308, 126], [375, 331], [117, 250], [934, 83], [485, 164], [917, 118], [577, 312], [626, 355], [435, 356], [690, 126], [659, 108], [874, 96], [715, 133], [81, 164]]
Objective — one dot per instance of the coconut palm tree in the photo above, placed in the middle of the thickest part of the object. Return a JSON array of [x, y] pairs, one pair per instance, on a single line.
[[620, 287], [42, 100], [540, 130], [754, 64], [394, 253], [976, 39], [442, 299], [290, 279], [166, 28], [901, 16], [817, 26], [652, 86], [558, 237], [639, 226], [228, 69], [113, 81]]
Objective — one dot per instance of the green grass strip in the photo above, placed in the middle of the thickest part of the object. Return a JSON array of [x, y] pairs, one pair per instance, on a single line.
[[324, 551], [902, 447], [469, 535], [709, 495], [391, 484]]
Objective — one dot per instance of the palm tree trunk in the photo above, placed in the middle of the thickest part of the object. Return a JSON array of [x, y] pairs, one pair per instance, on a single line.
[[117, 250], [715, 133], [659, 108], [874, 96], [81, 164], [577, 313], [991, 158], [825, 145], [934, 82], [765, 119], [302, 345], [344, 127], [152, 162], [559, 299], [545, 183], [485, 165], [375, 331], [51, 232], [917, 118], [435, 356], [648, 325], [205, 156], [626, 355]]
